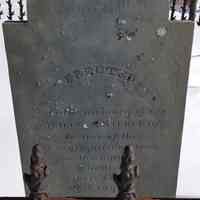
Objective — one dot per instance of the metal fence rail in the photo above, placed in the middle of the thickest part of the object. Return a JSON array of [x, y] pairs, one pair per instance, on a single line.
[[13, 11], [183, 10]]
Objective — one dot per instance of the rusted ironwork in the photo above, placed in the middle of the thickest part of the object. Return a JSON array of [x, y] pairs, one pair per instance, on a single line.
[[10, 10], [192, 7], [183, 17], [173, 10], [182, 10], [1, 12], [198, 21], [22, 13], [38, 173], [127, 179]]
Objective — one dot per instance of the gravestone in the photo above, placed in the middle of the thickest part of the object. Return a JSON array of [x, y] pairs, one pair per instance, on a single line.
[[88, 78]]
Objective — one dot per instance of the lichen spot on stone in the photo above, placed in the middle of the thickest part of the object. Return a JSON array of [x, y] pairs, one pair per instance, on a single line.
[[161, 31]]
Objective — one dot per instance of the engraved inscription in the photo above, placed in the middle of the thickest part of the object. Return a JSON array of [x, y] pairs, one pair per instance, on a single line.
[[88, 130], [108, 7]]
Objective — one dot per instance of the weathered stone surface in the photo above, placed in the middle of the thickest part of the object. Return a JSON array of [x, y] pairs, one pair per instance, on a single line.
[[92, 76]]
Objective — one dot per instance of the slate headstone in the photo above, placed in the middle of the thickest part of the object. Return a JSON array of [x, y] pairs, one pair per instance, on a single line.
[[88, 78]]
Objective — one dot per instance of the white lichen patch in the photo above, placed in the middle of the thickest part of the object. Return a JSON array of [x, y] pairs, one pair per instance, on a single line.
[[59, 81], [129, 38], [85, 126], [121, 21], [102, 124], [109, 95], [161, 31]]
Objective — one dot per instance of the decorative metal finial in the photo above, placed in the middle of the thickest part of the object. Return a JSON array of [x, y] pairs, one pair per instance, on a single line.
[[10, 11], [173, 10], [22, 13], [183, 17], [1, 12], [127, 179], [198, 21], [38, 173], [192, 12]]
